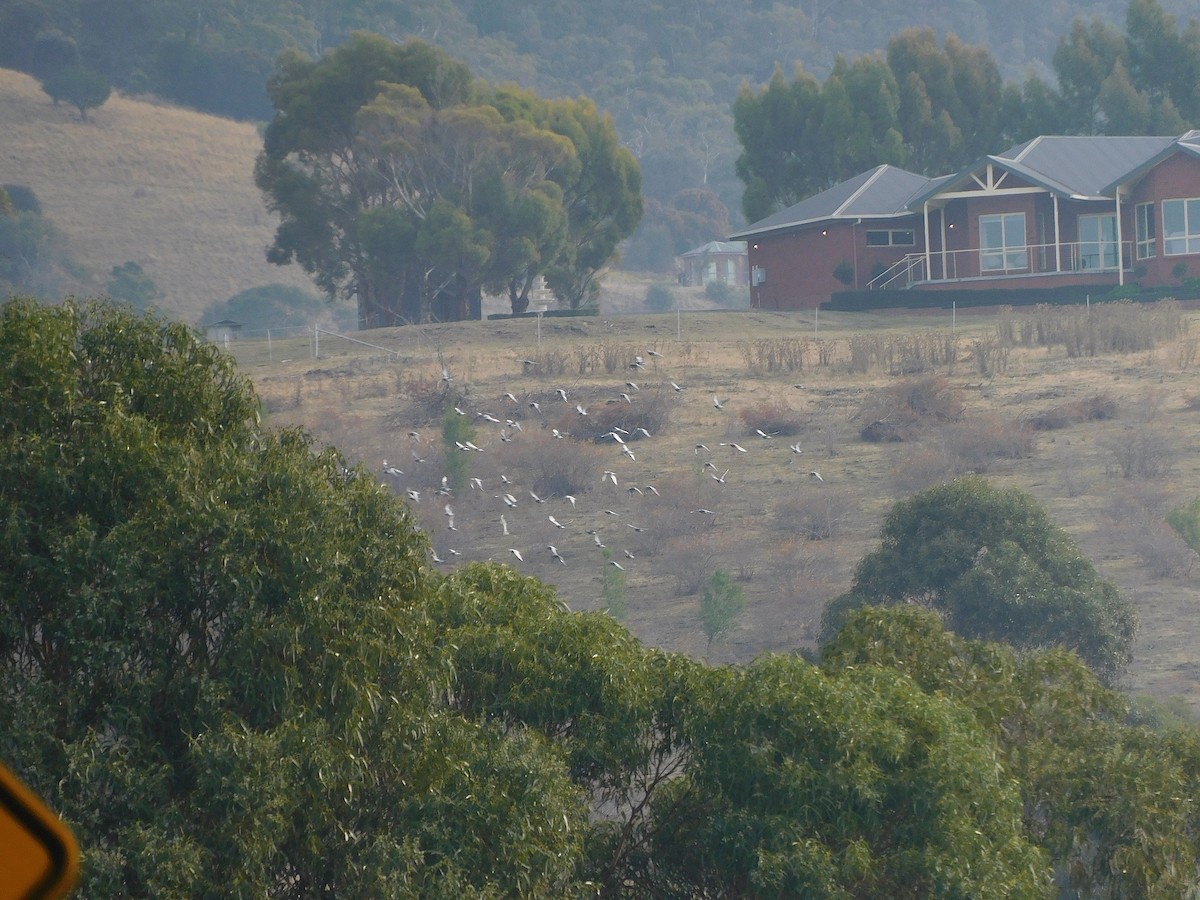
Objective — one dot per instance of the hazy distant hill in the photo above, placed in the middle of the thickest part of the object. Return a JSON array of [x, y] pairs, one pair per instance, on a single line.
[[167, 188]]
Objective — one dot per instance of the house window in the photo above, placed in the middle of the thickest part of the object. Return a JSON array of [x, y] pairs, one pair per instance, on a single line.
[[1147, 230], [1181, 227], [1002, 243], [894, 237], [1097, 242]]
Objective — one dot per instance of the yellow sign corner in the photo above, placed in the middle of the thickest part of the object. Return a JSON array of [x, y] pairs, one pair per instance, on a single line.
[[38, 854]]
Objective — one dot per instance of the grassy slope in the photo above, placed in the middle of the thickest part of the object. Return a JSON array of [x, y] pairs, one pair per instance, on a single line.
[[364, 403], [168, 188]]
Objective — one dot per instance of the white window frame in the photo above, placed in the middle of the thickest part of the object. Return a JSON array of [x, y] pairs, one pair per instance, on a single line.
[[1008, 255], [1146, 228], [1099, 249], [1181, 237], [896, 237]]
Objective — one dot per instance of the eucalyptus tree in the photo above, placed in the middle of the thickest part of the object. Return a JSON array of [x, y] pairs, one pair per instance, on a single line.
[[992, 562], [216, 660]]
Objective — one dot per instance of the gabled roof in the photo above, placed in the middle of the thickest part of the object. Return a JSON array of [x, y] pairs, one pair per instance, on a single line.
[[718, 247], [1078, 167], [1188, 143], [882, 192]]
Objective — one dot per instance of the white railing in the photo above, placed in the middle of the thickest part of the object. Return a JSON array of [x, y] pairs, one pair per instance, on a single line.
[[1031, 259]]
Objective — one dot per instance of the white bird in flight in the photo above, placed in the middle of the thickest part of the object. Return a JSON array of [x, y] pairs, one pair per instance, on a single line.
[[717, 402], [517, 553]]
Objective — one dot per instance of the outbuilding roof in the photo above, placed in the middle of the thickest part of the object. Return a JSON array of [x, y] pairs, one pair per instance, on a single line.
[[717, 247]]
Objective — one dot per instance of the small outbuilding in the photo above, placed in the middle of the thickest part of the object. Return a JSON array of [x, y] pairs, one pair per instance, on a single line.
[[720, 261], [223, 332]]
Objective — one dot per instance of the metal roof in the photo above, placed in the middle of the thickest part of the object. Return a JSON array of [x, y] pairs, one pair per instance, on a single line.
[[881, 192], [1082, 167], [718, 247]]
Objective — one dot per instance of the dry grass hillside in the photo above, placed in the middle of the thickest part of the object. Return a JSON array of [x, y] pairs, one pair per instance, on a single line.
[[167, 188], [1097, 414]]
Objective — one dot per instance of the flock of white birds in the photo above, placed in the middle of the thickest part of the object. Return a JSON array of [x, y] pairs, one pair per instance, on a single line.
[[565, 527]]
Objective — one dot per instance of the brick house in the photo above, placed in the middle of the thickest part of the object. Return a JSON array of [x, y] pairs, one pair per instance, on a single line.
[[1054, 211]]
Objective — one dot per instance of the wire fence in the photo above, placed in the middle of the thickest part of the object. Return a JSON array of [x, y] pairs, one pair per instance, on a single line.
[[256, 347]]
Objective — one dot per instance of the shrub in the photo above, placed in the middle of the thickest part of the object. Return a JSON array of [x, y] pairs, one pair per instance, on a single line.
[[552, 467], [899, 411], [660, 298], [844, 272], [720, 605], [816, 515], [1185, 520], [1087, 409], [1140, 452], [772, 418], [23, 198]]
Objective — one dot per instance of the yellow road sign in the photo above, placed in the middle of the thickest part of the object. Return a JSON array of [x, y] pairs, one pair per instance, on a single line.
[[38, 854]]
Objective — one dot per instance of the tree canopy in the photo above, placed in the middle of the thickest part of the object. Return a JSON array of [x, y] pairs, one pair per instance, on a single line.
[[228, 663], [934, 109], [406, 184], [992, 562]]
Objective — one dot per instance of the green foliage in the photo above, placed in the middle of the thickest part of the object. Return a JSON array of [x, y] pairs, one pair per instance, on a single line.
[[279, 305], [214, 660], [844, 272], [457, 431], [801, 783], [130, 284], [226, 661], [31, 254], [995, 566], [720, 605], [407, 185], [612, 588], [1186, 522], [83, 88], [23, 198], [660, 298], [1061, 738]]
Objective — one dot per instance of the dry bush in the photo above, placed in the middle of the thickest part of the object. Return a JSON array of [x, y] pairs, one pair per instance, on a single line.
[[548, 363], [1136, 520], [922, 466], [901, 410], [1140, 452], [426, 400], [551, 467], [673, 515], [771, 355], [587, 358], [974, 444], [991, 356], [1076, 478], [284, 400], [650, 409], [1158, 548], [820, 514], [1087, 409], [772, 418], [1186, 352], [1118, 327], [692, 558]]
